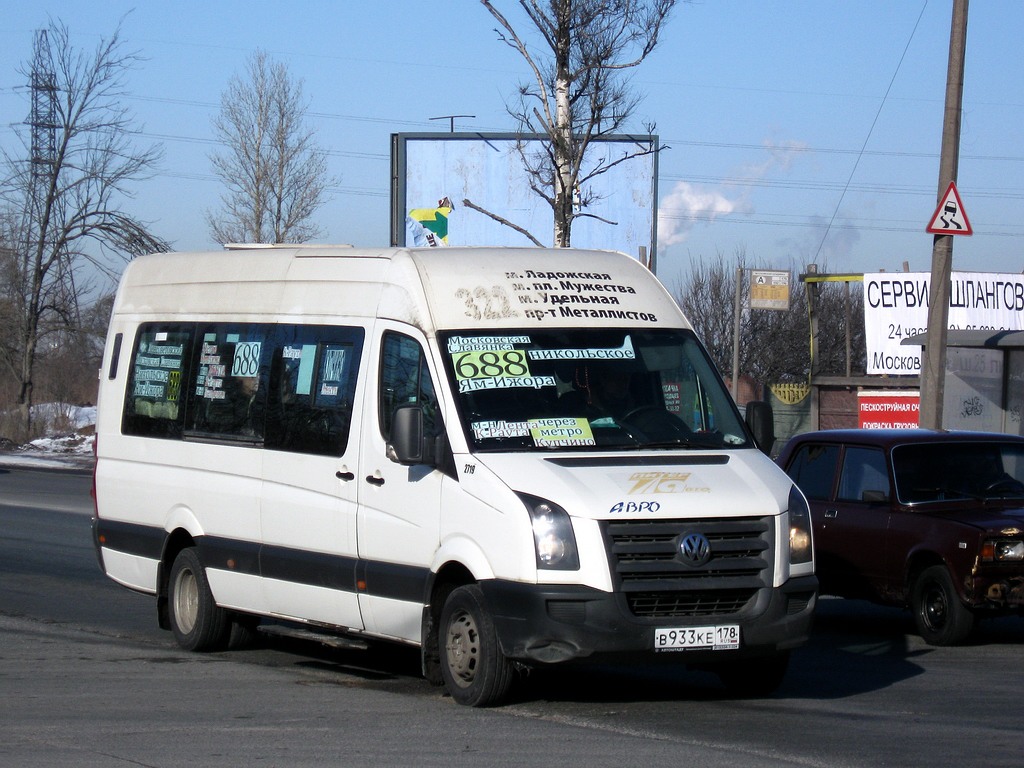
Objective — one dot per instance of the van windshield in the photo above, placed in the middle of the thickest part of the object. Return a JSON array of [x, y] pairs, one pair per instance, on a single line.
[[574, 389]]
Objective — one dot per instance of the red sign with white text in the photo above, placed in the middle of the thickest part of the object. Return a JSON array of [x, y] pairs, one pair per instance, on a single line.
[[889, 410]]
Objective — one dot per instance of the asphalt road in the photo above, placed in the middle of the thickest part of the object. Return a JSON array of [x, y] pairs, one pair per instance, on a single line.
[[88, 679]]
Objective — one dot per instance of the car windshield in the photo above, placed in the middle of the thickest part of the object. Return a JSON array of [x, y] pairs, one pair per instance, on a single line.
[[958, 470], [569, 389]]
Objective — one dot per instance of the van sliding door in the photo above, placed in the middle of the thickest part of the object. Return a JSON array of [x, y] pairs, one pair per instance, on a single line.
[[308, 553]]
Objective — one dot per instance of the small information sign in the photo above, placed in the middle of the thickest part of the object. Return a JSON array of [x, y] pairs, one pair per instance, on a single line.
[[769, 289]]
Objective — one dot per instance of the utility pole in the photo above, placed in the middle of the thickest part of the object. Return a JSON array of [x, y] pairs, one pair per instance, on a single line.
[[933, 369], [736, 336]]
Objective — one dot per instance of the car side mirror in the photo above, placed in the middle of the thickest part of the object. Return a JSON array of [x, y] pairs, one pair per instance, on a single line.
[[761, 422]]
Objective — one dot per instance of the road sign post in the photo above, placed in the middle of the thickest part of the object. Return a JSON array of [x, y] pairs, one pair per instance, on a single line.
[[933, 368]]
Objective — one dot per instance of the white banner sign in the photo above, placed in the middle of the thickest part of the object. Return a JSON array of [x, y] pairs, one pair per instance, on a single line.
[[896, 306]]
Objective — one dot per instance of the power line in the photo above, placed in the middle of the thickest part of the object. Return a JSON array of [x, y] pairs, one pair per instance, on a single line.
[[874, 122], [802, 149], [707, 216], [883, 188]]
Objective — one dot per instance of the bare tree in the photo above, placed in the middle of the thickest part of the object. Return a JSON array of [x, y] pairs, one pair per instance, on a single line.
[[578, 91], [275, 174], [774, 345], [63, 223]]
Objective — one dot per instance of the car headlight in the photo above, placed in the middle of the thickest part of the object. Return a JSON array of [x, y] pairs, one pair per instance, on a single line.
[[552, 535], [799, 528], [1002, 549]]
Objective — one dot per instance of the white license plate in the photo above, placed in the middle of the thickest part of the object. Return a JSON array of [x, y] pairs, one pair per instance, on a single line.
[[723, 637]]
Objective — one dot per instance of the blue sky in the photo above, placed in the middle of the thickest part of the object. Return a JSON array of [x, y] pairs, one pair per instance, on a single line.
[[780, 117]]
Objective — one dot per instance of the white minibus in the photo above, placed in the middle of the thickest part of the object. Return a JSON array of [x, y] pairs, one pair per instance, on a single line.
[[505, 457]]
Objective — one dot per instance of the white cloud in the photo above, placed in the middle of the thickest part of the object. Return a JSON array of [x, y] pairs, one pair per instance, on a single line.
[[686, 205]]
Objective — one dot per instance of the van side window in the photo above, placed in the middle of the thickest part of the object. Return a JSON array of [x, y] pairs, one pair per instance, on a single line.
[[405, 378], [312, 388], [229, 387], [154, 403], [813, 469], [286, 387]]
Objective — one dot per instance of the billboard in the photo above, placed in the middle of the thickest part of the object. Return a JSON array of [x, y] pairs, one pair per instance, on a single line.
[[896, 307], [434, 174]]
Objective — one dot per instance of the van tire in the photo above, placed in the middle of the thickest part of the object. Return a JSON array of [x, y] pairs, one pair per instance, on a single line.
[[940, 616], [475, 671], [196, 620]]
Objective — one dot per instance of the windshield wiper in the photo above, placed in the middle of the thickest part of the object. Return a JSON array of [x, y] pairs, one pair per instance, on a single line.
[[1004, 487]]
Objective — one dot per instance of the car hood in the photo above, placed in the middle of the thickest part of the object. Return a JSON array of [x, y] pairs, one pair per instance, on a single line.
[[987, 516]]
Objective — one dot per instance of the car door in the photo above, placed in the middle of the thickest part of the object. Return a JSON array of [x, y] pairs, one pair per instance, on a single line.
[[852, 536], [399, 506], [308, 555]]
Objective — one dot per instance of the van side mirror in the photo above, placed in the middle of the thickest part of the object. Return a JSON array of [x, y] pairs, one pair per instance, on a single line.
[[407, 445], [761, 422]]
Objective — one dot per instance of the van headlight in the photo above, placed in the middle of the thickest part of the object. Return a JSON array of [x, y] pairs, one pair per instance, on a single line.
[[800, 550], [553, 538]]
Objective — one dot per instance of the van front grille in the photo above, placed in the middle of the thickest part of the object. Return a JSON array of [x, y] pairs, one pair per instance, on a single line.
[[658, 581]]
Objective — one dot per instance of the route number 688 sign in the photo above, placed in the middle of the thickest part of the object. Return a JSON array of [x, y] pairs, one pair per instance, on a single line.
[[246, 362], [477, 364]]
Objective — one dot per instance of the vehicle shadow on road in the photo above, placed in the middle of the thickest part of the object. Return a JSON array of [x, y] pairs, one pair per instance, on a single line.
[[855, 648]]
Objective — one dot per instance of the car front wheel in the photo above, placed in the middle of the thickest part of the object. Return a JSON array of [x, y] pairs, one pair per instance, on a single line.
[[940, 616]]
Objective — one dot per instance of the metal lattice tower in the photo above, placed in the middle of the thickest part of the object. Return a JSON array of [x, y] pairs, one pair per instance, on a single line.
[[43, 119], [43, 167]]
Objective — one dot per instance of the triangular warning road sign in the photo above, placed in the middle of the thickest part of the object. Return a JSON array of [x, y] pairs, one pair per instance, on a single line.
[[950, 218]]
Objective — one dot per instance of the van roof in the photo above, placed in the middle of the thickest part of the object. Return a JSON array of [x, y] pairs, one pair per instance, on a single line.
[[432, 288]]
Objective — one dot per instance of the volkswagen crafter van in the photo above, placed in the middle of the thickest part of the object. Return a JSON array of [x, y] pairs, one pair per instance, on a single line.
[[504, 457]]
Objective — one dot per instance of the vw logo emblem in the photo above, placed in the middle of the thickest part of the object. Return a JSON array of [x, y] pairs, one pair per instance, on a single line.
[[695, 549]]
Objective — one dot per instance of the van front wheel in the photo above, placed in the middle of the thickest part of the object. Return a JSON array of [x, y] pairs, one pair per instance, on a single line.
[[475, 671], [196, 620]]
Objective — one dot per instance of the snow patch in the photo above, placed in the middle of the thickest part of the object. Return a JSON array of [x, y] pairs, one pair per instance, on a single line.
[[68, 448]]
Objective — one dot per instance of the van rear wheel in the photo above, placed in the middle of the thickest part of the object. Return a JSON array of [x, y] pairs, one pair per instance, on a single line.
[[196, 620], [475, 671]]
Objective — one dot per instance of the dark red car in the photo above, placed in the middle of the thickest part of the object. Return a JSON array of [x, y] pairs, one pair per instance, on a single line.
[[930, 520]]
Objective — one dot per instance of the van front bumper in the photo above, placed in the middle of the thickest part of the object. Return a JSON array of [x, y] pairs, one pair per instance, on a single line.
[[556, 623]]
